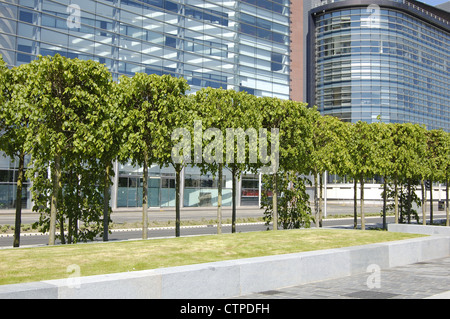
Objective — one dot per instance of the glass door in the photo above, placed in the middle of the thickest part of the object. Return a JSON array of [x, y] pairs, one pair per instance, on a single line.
[[167, 194], [250, 190]]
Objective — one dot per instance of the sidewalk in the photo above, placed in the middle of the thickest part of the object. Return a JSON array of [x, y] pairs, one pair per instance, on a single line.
[[429, 279]]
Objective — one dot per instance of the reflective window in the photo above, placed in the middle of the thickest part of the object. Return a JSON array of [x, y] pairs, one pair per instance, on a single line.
[[402, 55], [134, 35], [206, 42]]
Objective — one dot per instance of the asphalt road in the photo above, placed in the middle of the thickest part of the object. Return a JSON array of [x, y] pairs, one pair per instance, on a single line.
[[166, 232], [131, 216]]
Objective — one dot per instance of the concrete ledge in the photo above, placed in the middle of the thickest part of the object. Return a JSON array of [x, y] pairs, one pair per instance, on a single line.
[[419, 229], [32, 290], [444, 295], [237, 277]]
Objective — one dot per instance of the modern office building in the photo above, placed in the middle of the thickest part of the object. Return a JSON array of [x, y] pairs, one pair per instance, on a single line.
[[378, 58], [240, 45], [388, 58]]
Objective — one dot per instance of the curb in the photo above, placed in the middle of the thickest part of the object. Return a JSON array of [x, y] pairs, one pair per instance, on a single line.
[[138, 229]]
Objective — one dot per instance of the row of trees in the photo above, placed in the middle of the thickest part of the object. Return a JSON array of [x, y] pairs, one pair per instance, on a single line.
[[74, 121]]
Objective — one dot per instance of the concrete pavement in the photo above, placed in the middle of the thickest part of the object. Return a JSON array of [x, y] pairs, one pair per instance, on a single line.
[[424, 280]]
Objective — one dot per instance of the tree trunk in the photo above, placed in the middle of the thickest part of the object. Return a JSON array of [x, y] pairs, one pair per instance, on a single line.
[[75, 230], [424, 202], [233, 195], [384, 202], [355, 203], [61, 226], [431, 202], [219, 201], [363, 221], [78, 213], [145, 197], [177, 200], [72, 210], [396, 200], [106, 203], [408, 208], [19, 200], [448, 209], [275, 201], [69, 230], [56, 176], [320, 199], [401, 203], [316, 200]]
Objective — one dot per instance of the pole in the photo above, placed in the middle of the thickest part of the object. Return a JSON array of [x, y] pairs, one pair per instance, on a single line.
[[259, 190]]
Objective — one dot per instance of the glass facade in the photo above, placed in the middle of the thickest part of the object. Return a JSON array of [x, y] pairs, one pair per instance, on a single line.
[[382, 61], [202, 190], [8, 182], [240, 45]]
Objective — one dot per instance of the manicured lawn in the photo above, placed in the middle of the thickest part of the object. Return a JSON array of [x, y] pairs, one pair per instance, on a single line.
[[44, 263]]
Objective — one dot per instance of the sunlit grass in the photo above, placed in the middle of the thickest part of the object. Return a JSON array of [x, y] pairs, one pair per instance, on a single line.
[[45, 263]]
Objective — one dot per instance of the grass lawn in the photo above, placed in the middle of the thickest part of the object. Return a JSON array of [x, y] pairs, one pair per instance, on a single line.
[[45, 263]]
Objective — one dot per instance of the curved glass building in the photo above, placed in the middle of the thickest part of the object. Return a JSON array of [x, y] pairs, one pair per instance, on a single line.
[[381, 58]]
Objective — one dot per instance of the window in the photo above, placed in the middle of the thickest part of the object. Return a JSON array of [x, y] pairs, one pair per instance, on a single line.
[[171, 42], [277, 60], [26, 16]]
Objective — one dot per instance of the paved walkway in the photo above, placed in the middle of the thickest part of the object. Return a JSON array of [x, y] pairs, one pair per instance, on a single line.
[[430, 279]]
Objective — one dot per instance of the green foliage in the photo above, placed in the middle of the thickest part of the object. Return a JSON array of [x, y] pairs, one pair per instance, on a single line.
[[295, 135], [328, 148], [363, 149], [66, 97], [243, 114], [407, 198], [151, 103], [68, 131], [80, 200], [14, 111], [214, 108], [292, 119], [154, 108], [74, 121], [409, 159], [437, 155], [293, 208], [383, 159]]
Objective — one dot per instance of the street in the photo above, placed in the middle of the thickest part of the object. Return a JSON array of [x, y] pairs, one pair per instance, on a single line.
[[132, 215]]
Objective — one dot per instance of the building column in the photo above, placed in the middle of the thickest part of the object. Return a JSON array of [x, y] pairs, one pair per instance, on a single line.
[[182, 187], [297, 46], [259, 188]]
